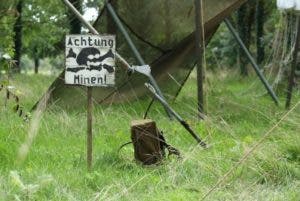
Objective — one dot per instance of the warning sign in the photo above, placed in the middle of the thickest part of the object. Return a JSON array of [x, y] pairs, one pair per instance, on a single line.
[[90, 60]]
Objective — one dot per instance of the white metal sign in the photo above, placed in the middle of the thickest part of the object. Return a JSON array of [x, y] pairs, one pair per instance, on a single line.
[[90, 60]]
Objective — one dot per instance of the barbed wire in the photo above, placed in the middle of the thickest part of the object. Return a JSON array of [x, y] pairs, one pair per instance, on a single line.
[[17, 108]]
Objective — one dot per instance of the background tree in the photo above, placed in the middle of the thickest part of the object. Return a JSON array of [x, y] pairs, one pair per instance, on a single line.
[[45, 27], [18, 36], [245, 20], [8, 15], [260, 20]]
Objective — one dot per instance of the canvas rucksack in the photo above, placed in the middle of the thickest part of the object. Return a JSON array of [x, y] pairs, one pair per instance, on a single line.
[[149, 143]]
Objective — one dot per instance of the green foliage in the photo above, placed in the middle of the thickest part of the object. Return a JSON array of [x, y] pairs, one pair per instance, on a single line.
[[7, 18], [223, 51], [44, 28], [6, 63]]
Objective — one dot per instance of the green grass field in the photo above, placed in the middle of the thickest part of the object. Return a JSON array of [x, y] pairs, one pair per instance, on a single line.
[[239, 114]]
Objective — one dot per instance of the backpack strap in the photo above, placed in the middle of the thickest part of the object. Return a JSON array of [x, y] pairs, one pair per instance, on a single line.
[[173, 150], [123, 145], [170, 148]]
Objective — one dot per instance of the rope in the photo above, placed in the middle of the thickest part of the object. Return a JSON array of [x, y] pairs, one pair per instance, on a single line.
[[140, 37]]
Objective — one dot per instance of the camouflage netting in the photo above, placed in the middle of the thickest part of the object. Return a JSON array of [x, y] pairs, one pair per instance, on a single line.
[[163, 31]]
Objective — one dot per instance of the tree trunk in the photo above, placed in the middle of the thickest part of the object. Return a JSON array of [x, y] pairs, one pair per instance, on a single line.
[[36, 65], [75, 24], [260, 19], [242, 29], [246, 15], [18, 37], [250, 20]]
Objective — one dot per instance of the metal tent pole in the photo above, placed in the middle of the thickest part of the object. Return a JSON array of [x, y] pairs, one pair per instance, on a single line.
[[135, 51], [119, 24], [252, 61], [176, 115]]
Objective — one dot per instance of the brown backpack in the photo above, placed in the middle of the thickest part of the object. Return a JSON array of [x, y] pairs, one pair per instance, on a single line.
[[149, 143]]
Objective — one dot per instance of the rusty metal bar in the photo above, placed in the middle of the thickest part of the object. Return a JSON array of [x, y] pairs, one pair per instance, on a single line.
[[176, 115], [252, 61]]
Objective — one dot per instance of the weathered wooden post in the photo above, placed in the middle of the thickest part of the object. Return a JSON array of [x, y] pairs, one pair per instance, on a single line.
[[200, 54], [294, 66], [90, 61], [292, 7], [89, 128]]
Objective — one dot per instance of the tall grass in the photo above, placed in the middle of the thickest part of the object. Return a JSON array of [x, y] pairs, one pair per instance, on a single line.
[[55, 166]]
